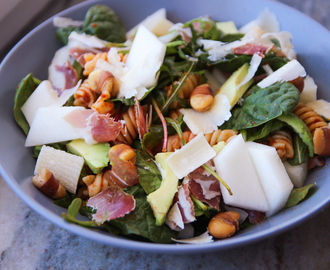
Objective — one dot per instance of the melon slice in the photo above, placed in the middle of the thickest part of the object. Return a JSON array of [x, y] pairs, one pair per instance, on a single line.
[[272, 174], [297, 174], [234, 165]]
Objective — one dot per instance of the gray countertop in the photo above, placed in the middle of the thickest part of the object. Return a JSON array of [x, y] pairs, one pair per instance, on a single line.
[[29, 241]]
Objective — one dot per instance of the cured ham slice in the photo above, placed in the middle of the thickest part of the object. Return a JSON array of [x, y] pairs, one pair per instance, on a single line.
[[185, 204], [205, 188], [69, 73], [112, 202], [101, 128], [251, 49], [123, 173]]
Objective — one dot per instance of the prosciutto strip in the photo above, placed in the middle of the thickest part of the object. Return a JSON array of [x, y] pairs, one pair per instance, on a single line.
[[123, 173], [185, 204], [102, 127], [77, 118], [251, 49], [70, 75], [113, 202], [205, 188]]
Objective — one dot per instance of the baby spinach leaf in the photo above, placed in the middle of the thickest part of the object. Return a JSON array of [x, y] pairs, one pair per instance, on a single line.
[[142, 221], [297, 195], [300, 128], [74, 207], [23, 92], [264, 130], [262, 105], [66, 201], [227, 38], [300, 150], [101, 21], [149, 175]]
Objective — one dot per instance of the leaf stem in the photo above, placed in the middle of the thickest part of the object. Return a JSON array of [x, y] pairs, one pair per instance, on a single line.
[[217, 177], [162, 119]]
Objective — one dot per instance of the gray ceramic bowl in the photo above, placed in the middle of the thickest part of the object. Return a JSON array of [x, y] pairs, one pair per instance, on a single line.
[[34, 53]]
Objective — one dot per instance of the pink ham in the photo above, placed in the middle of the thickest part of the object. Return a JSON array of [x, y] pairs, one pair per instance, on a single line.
[[123, 173], [251, 49], [102, 127], [69, 73], [77, 118], [185, 204], [205, 188], [113, 202]]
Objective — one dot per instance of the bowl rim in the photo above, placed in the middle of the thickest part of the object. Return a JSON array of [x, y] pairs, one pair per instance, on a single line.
[[146, 246]]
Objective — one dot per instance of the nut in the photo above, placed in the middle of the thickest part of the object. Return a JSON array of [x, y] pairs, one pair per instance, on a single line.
[[299, 83], [47, 183], [321, 141], [124, 152], [224, 224], [201, 98]]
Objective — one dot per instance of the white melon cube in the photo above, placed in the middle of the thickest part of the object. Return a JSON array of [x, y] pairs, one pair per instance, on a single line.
[[272, 174], [234, 165], [191, 156], [44, 95], [49, 126], [309, 92], [64, 166], [297, 174]]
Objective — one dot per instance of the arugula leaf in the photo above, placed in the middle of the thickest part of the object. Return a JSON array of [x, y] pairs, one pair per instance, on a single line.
[[300, 128], [176, 124], [101, 21], [262, 105], [227, 38], [23, 92], [297, 195], [149, 175], [264, 130], [300, 149], [66, 201], [142, 221]]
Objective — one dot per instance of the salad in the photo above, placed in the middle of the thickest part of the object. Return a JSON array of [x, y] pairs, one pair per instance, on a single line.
[[173, 132]]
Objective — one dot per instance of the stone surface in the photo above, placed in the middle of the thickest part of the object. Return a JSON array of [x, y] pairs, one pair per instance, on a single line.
[[29, 241]]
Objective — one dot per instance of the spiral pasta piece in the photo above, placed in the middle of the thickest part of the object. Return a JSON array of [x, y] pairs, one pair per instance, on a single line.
[[282, 141], [95, 183], [84, 95], [309, 116], [174, 141], [191, 83], [91, 61], [129, 131]]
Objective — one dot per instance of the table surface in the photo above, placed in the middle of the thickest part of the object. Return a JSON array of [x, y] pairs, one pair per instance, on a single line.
[[29, 241]]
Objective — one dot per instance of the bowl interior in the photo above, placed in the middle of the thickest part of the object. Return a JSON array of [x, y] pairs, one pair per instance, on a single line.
[[33, 54]]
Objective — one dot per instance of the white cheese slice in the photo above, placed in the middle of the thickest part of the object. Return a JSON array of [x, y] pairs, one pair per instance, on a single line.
[[284, 38], [297, 173], [321, 106], [156, 23], [288, 72], [234, 165], [310, 90], [191, 156], [65, 22], [64, 166], [254, 65], [49, 126], [90, 41], [272, 174], [208, 121], [203, 238], [44, 95]]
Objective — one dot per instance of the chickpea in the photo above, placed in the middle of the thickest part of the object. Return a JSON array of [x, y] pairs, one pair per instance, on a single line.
[[224, 224], [201, 98]]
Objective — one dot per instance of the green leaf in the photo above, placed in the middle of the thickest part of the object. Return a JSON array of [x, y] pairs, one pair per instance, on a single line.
[[262, 105], [176, 124], [23, 92], [79, 69], [142, 221], [149, 175], [227, 38], [264, 130], [102, 21], [74, 207], [300, 128], [300, 150], [297, 195], [66, 201]]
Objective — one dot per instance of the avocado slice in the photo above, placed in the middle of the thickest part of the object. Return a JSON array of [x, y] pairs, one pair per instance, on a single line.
[[161, 199], [95, 156], [228, 27], [229, 88]]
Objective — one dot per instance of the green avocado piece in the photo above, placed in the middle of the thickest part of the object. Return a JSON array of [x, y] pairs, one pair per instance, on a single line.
[[161, 199], [95, 156], [229, 88], [228, 27]]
